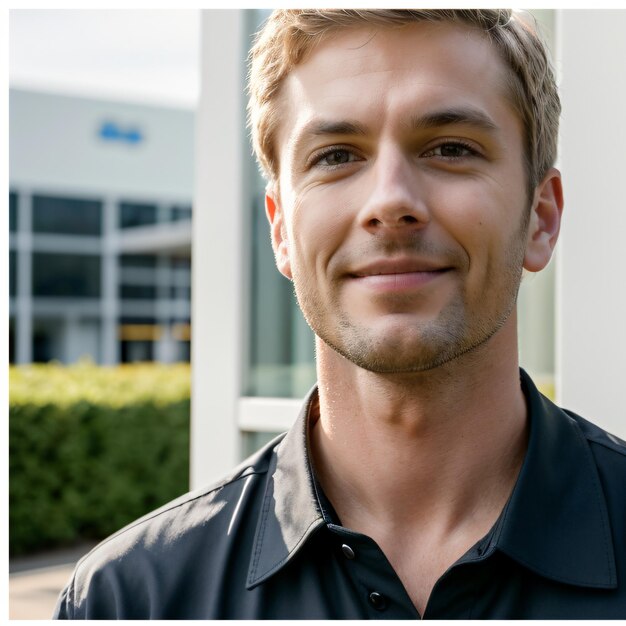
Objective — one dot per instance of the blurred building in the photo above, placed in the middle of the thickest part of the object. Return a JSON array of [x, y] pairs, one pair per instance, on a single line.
[[100, 229]]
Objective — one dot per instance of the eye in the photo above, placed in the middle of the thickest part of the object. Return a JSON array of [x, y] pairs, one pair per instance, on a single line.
[[451, 150], [333, 157]]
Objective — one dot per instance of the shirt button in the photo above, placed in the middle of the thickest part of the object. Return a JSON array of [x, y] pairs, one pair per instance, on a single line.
[[378, 601], [348, 552]]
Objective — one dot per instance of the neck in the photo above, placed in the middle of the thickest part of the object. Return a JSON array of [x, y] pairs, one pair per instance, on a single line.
[[432, 449]]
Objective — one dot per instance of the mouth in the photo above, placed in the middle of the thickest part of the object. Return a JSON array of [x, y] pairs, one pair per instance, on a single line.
[[390, 275]]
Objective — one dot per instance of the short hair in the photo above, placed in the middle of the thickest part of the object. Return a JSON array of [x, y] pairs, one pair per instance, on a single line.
[[289, 35]]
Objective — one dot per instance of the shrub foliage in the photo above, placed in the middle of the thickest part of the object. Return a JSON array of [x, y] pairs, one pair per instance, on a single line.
[[93, 448]]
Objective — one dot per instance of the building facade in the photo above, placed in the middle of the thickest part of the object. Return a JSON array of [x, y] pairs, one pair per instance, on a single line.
[[100, 230]]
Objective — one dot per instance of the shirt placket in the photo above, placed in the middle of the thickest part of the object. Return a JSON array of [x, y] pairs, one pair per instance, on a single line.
[[379, 589]]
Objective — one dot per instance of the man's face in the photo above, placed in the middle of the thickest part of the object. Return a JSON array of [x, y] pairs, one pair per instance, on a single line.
[[402, 208]]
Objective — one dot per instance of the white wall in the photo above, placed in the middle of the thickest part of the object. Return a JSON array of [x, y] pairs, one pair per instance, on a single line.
[[54, 143], [591, 291]]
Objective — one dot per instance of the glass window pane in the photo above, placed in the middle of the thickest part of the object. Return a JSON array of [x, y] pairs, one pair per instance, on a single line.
[[180, 262], [11, 340], [12, 211], [282, 345], [12, 272], [136, 351], [281, 349], [137, 319], [137, 292], [47, 339], [66, 275], [253, 441], [135, 214], [137, 335], [180, 293], [138, 260], [67, 216], [184, 351], [180, 213]]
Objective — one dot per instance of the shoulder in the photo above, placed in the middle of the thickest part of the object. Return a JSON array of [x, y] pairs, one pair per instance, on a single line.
[[609, 455], [127, 575], [603, 444]]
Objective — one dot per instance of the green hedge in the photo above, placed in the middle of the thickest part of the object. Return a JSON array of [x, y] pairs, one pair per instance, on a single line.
[[93, 448]]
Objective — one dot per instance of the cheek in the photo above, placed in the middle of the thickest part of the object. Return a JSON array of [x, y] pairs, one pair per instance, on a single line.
[[320, 223], [481, 220], [466, 213]]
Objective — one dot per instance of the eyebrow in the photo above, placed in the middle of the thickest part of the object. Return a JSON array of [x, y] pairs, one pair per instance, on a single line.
[[467, 116], [320, 127], [344, 127]]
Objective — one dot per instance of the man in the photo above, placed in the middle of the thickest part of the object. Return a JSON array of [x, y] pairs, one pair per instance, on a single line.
[[409, 157]]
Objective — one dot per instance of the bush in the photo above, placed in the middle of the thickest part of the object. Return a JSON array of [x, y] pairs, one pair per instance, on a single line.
[[93, 448]]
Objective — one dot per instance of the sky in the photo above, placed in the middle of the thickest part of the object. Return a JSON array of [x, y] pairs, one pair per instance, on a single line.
[[149, 56]]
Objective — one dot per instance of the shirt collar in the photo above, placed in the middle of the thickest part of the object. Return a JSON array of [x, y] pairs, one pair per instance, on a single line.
[[291, 512], [555, 523]]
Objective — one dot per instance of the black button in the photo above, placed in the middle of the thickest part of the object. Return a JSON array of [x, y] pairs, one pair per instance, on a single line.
[[348, 552], [378, 601]]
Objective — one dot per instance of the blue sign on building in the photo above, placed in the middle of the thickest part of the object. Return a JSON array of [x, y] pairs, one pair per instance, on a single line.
[[111, 131]]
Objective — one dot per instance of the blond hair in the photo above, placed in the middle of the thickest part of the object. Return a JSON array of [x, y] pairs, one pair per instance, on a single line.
[[289, 35]]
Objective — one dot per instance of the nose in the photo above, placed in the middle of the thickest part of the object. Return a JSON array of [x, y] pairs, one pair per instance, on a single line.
[[395, 199]]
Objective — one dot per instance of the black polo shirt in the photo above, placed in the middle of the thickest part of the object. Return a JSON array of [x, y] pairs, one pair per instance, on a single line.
[[265, 543]]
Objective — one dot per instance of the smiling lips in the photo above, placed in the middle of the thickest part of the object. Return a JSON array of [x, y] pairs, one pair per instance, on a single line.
[[392, 276]]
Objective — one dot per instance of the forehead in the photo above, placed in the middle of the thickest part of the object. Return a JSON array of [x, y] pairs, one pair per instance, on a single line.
[[377, 73]]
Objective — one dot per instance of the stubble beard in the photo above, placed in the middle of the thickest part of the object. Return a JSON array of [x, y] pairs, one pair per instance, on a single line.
[[455, 332]]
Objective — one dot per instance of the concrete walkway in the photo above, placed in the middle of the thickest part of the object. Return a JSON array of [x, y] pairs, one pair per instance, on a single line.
[[36, 581]]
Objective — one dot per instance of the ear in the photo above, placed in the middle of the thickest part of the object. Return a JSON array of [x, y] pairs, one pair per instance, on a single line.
[[545, 221], [280, 241]]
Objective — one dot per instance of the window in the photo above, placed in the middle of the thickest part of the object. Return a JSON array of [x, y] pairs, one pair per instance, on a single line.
[[180, 292], [137, 319], [281, 346], [254, 440], [66, 216], [136, 351], [137, 292], [47, 339], [134, 214], [138, 260], [184, 351], [12, 272], [11, 340], [137, 337], [180, 213], [66, 275], [180, 262], [180, 329], [281, 343], [12, 211]]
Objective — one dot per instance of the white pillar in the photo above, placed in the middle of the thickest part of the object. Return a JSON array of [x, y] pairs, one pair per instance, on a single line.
[[591, 283], [23, 291], [218, 255], [110, 351]]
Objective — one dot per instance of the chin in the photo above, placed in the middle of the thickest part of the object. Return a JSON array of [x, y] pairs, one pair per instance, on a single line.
[[411, 350], [396, 353]]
